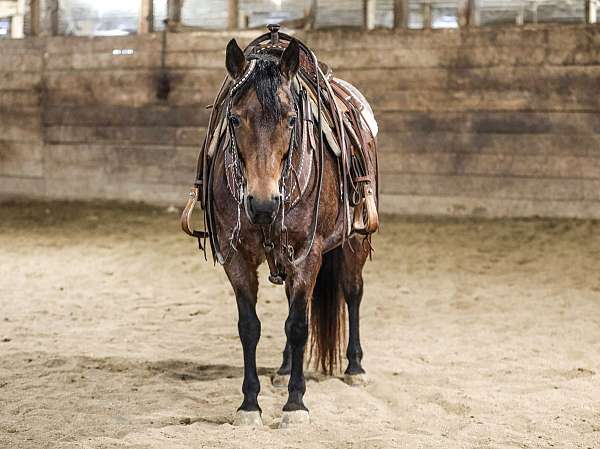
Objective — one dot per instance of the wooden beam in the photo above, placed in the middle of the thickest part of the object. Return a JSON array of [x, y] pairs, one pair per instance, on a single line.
[[591, 11], [174, 14], [17, 22], [465, 11], [401, 14], [146, 19], [233, 14], [311, 15], [34, 12], [427, 17], [369, 14]]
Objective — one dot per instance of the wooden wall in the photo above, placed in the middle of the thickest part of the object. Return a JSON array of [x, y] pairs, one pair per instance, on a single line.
[[491, 121]]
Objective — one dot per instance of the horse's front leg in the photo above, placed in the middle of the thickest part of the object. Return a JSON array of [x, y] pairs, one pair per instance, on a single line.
[[244, 280], [299, 287]]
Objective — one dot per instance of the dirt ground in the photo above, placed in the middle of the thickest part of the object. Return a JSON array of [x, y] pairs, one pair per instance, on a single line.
[[115, 334]]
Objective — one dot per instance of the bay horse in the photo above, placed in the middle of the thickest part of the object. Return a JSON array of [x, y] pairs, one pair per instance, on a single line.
[[275, 188]]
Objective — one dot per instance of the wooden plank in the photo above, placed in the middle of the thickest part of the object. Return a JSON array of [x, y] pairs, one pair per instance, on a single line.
[[15, 186], [401, 14], [154, 135], [576, 100], [146, 19], [489, 143], [20, 81], [369, 11], [487, 207], [21, 159], [118, 164], [500, 122], [233, 14], [471, 163], [104, 61], [12, 99], [114, 134], [484, 187], [21, 63], [102, 115]]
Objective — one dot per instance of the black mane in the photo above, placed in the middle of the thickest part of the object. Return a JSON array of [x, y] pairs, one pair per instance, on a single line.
[[266, 81]]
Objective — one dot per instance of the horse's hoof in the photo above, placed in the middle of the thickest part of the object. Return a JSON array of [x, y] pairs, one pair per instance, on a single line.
[[244, 418], [295, 418], [280, 380], [356, 380]]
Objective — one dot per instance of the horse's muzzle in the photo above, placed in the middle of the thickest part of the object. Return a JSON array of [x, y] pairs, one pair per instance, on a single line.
[[262, 212]]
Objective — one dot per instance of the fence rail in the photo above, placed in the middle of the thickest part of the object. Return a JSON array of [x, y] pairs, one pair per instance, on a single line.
[[19, 18]]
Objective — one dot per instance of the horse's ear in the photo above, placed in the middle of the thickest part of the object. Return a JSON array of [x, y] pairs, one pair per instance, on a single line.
[[290, 60], [235, 60]]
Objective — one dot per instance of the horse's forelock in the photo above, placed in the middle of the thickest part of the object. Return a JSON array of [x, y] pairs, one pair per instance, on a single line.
[[266, 79]]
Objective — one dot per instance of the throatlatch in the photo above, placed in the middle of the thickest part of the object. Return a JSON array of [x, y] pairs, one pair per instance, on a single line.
[[331, 114]]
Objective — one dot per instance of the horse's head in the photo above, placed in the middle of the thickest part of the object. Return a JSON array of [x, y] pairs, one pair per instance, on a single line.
[[263, 117]]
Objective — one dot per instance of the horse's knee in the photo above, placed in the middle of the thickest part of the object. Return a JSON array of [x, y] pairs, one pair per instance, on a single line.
[[249, 329], [296, 329]]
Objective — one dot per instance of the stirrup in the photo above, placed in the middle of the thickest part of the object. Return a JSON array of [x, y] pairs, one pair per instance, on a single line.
[[366, 218], [186, 216]]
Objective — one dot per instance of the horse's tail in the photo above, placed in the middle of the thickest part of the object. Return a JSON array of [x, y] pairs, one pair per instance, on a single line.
[[327, 313]]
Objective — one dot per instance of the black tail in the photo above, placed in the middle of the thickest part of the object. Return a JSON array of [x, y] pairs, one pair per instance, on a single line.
[[327, 314]]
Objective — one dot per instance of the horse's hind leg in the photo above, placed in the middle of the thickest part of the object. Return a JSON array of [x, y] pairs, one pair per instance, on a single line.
[[352, 286], [244, 281], [282, 376]]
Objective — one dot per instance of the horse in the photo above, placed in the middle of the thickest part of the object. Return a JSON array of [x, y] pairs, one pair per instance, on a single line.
[[273, 190]]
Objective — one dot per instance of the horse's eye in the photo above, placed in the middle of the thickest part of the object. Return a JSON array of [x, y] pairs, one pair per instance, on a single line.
[[292, 121], [235, 120]]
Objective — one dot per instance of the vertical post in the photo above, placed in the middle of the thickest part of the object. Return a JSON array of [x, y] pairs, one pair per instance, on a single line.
[[174, 14], [466, 12], [591, 11], [401, 14], [474, 13], [233, 14], [146, 19], [17, 23], [427, 19], [369, 14], [35, 14], [311, 14]]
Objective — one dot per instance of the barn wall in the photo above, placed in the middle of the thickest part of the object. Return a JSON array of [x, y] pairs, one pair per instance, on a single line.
[[485, 121]]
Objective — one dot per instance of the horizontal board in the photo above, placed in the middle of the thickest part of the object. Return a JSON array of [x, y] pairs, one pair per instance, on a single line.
[[113, 189], [500, 122], [486, 207], [102, 61], [18, 159], [16, 99], [152, 135], [489, 165], [26, 62], [490, 143], [17, 186], [102, 115], [124, 163], [486, 187], [562, 80], [483, 100], [20, 80]]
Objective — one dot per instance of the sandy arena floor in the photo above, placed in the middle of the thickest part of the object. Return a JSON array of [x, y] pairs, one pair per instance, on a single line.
[[115, 334]]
